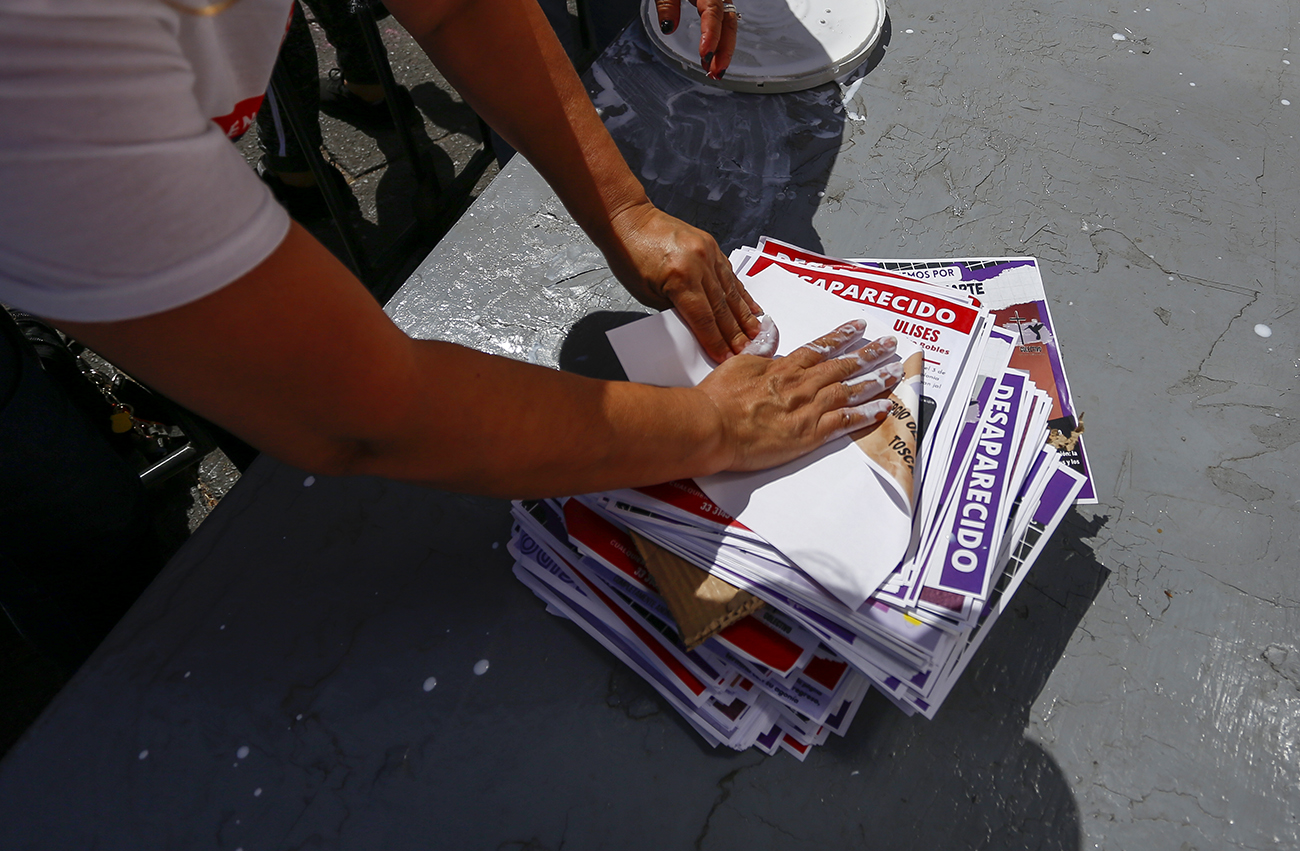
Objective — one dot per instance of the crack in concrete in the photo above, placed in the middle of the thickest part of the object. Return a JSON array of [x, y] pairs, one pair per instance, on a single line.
[[724, 786], [1195, 799], [1142, 258], [1132, 630], [1131, 800], [1275, 656], [778, 828], [1136, 597], [1047, 226], [1289, 604], [1142, 800], [1121, 486], [1254, 297], [559, 281]]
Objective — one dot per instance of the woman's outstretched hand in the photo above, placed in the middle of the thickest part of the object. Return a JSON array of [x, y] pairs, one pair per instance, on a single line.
[[774, 410]]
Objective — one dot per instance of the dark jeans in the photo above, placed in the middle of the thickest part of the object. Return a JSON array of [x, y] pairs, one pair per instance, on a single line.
[[298, 58]]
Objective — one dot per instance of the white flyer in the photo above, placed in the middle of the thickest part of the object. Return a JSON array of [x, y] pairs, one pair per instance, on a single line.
[[862, 524]]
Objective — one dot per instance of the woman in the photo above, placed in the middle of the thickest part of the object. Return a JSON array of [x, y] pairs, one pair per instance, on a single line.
[[128, 220]]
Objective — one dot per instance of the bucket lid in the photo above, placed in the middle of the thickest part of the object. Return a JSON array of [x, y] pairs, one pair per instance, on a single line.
[[781, 46]]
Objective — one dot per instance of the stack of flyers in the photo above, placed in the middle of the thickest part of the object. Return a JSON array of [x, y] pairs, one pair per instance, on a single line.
[[764, 681], [955, 494]]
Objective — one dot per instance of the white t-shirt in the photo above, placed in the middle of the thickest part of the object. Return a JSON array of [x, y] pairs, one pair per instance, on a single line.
[[120, 194]]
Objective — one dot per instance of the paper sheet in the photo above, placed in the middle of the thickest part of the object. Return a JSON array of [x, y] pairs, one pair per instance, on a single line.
[[862, 526]]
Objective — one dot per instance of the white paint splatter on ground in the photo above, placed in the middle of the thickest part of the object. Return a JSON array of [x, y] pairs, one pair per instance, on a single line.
[[481, 667], [1263, 330], [430, 683], [144, 754], [847, 95], [1119, 36], [309, 481], [242, 753], [257, 793]]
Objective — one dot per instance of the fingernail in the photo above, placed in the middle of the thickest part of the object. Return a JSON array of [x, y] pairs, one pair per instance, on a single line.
[[720, 73], [666, 27], [707, 60]]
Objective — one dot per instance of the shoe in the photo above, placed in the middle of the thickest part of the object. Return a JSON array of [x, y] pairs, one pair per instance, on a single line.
[[305, 204], [338, 101]]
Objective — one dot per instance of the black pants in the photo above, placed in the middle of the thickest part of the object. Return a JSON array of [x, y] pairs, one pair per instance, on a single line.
[[298, 58], [73, 514]]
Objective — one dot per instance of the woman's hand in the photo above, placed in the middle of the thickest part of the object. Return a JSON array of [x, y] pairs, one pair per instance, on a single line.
[[665, 262], [719, 21], [773, 411]]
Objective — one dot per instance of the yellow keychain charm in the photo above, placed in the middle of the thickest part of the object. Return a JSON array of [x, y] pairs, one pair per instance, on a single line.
[[121, 421]]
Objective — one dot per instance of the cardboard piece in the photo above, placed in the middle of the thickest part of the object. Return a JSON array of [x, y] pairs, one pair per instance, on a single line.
[[701, 603]]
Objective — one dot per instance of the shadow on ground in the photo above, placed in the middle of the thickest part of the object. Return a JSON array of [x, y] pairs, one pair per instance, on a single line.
[[970, 778]]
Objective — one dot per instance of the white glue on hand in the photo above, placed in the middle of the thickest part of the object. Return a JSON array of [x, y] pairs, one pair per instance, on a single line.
[[873, 353], [850, 334], [860, 416], [874, 383], [764, 345]]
